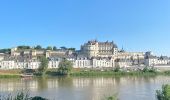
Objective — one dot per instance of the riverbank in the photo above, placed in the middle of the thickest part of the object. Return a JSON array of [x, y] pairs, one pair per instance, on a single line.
[[17, 73], [144, 72], [10, 73], [108, 73]]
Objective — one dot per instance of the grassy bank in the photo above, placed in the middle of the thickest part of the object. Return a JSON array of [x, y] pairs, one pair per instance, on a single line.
[[107, 73], [111, 73], [9, 75], [53, 72]]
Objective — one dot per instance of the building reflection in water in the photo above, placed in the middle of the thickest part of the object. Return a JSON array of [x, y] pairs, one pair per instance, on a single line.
[[86, 88]]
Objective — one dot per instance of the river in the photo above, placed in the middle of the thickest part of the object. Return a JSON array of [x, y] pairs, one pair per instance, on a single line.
[[87, 88]]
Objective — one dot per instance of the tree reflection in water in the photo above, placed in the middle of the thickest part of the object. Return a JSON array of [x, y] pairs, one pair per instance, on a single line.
[[65, 81], [42, 83]]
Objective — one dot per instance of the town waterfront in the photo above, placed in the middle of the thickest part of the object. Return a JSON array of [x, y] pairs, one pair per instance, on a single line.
[[86, 88]]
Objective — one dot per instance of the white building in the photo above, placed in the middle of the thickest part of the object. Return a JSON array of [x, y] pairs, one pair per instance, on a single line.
[[82, 63], [151, 60], [20, 65], [103, 62], [33, 65], [7, 64], [2, 56], [123, 63], [53, 62]]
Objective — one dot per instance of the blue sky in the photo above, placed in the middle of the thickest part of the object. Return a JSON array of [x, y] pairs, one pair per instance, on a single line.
[[137, 25]]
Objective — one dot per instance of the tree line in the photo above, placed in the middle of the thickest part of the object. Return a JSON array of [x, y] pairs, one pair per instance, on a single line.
[[38, 47]]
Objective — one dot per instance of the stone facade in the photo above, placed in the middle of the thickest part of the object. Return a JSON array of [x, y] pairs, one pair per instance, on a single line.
[[35, 53], [96, 49]]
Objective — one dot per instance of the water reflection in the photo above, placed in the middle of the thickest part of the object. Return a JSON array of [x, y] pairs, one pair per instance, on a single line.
[[42, 84], [87, 88], [65, 82]]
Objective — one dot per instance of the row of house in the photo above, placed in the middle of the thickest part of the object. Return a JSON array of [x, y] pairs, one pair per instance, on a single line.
[[54, 62], [12, 64], [92, 54], [155, 61]]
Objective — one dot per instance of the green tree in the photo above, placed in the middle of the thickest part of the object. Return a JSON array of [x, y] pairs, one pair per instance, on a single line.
[[38, 47], [65, 67], [49, 48], [43, 66], [163, 94], [54, 48], [72, 49], [23, 47], [117, 68], [63, 48], [5, 50]]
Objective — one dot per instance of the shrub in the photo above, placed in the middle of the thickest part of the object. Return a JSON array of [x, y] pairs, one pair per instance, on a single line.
[[21, 96], [163, 94]]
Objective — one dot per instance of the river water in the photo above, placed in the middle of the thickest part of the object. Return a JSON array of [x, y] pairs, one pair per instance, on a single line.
[[87, 88]]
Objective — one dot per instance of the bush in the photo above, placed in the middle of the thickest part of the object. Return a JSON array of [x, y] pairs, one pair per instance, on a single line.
[[38, 98], [152, 70], [117, 69], [112, 97], [163, 94], [22, 96]]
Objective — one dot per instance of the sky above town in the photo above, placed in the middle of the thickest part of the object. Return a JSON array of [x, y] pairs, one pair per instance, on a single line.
[[135, 25]]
